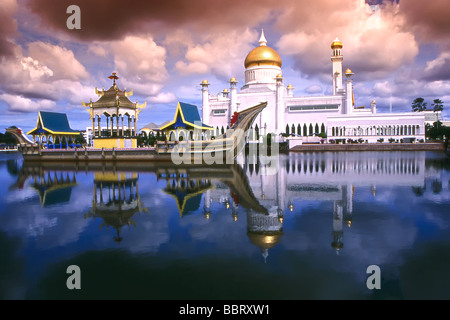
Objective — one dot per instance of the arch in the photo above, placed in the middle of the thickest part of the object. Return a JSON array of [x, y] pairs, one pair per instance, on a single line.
[[287, 129], [305, 132], [182, 136], [299, 129]]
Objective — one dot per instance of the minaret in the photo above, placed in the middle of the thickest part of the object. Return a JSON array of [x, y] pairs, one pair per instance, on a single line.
[[337, 232], [337, 58], [279, 112], [349, 102], [233, 95], [205, 102]]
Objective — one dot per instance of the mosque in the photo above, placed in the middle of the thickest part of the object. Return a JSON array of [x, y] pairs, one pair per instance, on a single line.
[[334, 115]]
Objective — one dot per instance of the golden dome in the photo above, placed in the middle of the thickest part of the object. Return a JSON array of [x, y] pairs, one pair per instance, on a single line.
[[233, 80], [290, 87], [348, 71], [205, 82], [262, 55], [336, 44], [225, 90], [265, 240]]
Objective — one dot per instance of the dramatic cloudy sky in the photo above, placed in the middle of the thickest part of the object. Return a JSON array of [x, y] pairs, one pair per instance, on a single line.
[[398, 50]]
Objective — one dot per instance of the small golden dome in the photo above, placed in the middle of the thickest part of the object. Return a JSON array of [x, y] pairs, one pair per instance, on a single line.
[[336, 44], [262, 55], [225, 90], [348, 71], [290, 87], [279, 76], [233, 80], [205, 82]]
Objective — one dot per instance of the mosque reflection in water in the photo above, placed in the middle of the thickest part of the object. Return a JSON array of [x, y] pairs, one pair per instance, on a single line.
[[247, 189]]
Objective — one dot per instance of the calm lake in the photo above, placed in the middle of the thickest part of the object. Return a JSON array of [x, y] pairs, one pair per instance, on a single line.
[[304, 226]]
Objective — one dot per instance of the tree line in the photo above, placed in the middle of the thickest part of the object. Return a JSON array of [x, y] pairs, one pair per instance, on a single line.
[[436, 131]]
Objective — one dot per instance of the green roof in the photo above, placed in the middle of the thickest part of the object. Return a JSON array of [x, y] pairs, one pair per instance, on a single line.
[[54, 123]]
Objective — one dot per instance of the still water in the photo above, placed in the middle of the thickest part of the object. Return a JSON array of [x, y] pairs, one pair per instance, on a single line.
[[308, 227]]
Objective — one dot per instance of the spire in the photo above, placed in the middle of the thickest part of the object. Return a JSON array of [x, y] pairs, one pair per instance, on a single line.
[[262, 40]]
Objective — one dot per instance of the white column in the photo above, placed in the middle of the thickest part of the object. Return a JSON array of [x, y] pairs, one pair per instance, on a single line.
[[279, 110], [348, 92], [205, 102], [233, 96]]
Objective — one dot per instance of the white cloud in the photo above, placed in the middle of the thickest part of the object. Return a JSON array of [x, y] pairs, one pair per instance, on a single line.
[[21, 104], [374, 42], [140, 63], [162, 97], [98, 50], [60, 60], [222, 54]]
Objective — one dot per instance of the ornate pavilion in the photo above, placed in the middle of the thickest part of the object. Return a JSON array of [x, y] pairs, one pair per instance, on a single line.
[[52, 129], [120, 114]]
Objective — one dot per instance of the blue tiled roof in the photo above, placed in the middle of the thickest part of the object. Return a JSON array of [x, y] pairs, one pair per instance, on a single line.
[[191, 117], [53, 122], [190, 112]]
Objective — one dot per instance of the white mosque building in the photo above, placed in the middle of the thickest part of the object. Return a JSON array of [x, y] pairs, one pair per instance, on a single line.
[[335, 114]]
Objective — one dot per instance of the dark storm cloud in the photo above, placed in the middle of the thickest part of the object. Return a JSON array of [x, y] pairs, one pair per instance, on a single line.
[[428, 19], [8, 27], [113, 19]]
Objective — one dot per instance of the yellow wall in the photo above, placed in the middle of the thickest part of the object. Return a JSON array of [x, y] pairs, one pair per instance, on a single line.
[[114, 177], [113, 143]]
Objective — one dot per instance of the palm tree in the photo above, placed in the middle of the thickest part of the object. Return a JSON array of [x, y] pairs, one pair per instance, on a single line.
[[438, 105], [419, 105]]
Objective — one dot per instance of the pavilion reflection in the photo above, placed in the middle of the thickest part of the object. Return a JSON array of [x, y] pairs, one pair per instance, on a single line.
[[54, 187], [116, 200]]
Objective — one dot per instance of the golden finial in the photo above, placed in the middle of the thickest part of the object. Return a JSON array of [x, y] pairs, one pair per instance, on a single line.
[[114, 77]]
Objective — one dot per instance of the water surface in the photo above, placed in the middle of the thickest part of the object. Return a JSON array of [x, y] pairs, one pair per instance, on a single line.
[[307, 227]]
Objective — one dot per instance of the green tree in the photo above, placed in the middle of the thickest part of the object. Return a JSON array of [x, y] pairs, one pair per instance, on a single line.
[[419, 105], [80, 139], [438, 106]]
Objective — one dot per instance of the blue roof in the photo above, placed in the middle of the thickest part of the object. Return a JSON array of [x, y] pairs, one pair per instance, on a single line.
[[191, 117], [190, 112], [52, 122]]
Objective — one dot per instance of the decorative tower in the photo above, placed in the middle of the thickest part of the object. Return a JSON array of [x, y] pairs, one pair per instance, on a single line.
[[337, 58], [279, 110], [205, 102], [349, 99], [233, 95]]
